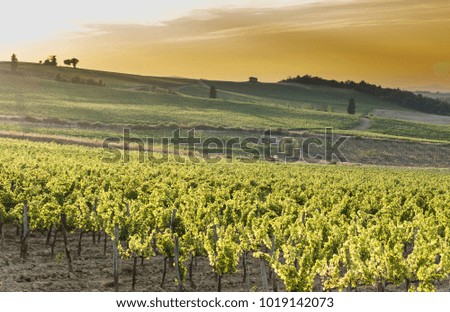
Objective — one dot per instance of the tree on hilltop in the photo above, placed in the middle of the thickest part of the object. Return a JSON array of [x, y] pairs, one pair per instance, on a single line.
[[72, 62], [14, 62], [51, 60]]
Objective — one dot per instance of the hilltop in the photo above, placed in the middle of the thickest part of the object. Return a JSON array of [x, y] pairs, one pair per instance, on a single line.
[[399, 97]]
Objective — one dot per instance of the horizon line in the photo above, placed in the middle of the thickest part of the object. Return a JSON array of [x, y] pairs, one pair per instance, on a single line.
[[440, 91]]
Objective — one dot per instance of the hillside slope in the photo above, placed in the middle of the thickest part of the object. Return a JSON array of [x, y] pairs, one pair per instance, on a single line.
[[66, 95]]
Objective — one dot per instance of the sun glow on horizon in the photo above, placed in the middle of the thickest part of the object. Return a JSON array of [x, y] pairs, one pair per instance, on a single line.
[[400, 44]]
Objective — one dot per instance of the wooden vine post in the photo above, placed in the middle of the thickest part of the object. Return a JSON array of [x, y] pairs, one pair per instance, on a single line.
[[219, 276], [25, 232], [176, 251], [2, 235], [133, 281], [116, 258], [66, 244], [262, 264], [272, 272], [177, 264]]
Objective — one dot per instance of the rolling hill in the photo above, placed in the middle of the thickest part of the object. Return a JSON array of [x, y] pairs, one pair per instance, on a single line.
[[77, 98]]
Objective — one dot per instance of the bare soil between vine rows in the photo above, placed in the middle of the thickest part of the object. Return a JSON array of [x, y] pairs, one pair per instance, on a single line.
[[93, 271]]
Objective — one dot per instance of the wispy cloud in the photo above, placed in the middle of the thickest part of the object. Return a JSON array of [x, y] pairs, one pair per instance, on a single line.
[[388, 42]]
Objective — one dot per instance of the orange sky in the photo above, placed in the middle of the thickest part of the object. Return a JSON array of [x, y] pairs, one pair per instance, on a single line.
[[402, 43]]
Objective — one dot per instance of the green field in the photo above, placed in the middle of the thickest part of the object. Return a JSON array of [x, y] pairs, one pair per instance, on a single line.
[[131, 100], [37, 97], [414, 129], [297, 95]]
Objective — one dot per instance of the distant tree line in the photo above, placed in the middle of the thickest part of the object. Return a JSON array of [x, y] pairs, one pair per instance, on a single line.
[[52, 61], [400, 97]]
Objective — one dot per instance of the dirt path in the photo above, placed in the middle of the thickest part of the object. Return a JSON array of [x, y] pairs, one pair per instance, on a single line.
[[50, 139], [364, 124]]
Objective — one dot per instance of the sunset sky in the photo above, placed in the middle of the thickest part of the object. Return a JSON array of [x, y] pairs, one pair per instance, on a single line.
[[397, 43]]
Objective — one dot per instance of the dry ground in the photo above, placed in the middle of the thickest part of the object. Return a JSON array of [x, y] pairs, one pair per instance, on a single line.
[[93, 271]]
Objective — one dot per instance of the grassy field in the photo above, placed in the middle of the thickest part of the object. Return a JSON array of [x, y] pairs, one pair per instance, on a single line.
[[296, 95], [414, 129], [27, 95], [132, 100], [412, 116]]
